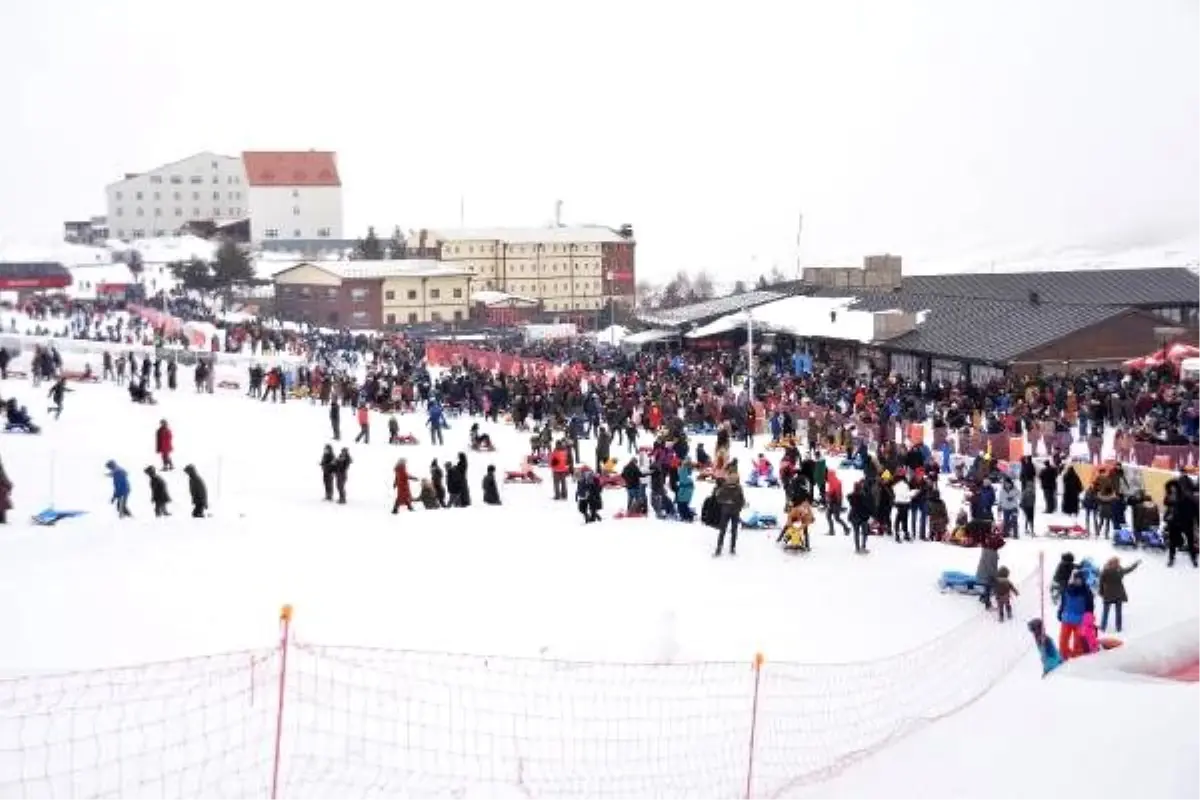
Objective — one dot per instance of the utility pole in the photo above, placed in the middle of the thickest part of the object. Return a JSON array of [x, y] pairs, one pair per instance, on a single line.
[[799, 233]]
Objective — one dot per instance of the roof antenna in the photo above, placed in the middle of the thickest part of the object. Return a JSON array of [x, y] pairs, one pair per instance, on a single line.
[[558, 213]]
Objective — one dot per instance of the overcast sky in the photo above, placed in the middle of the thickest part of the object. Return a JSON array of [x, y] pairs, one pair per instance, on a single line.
[[947, 131]]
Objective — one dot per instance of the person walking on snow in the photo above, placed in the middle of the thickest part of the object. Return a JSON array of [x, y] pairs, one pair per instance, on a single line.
[[400, 484], [164, 444], [198, 492], [158, 493], [327, 470], [436, 422], [731, 500], [335, 418], [364, 426], [56, 396], [120, 482]]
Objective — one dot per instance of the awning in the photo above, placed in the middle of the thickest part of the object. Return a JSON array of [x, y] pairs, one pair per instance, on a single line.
[[646, 337]]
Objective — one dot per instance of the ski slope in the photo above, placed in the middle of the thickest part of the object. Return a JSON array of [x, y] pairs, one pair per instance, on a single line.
[[530, 585]]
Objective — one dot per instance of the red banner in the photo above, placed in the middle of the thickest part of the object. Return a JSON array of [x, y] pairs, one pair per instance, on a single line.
[[444, 354]]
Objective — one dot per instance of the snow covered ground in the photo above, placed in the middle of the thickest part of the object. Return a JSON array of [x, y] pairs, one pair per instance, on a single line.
[[859, 650]]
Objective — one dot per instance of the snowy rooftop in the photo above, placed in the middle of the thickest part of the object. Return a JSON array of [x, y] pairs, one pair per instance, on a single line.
[[396, 268], [566, 234]]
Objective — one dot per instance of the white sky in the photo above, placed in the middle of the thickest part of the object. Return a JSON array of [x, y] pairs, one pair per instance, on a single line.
[[943, 130]]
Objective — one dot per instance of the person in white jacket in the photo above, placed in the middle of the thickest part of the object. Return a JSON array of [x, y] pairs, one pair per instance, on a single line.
[[1008, 501], [902, 495]]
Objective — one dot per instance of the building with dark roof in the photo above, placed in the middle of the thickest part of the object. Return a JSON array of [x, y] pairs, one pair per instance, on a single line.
[[706, 311], [977, 325], [32, 276]]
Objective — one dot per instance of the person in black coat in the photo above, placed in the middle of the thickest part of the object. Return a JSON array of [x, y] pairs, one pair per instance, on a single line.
[[491, 492], [438, 479], [1072, 489], [1181, 515], [1048, 477], [341, 470], [588, 495], [454, 486], [603, 443], [158, 493], [198, 492], [327, 461], [335, 418], [466, 482]]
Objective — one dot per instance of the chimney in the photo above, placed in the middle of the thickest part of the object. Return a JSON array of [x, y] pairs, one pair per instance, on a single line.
[[1035, 299]]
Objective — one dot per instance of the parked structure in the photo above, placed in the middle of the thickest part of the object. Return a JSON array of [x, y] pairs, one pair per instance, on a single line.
[[373, 294], [93, 230]]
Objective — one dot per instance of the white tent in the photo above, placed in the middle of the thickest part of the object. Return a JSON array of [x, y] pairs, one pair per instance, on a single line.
[[612, 335], [646, 337]]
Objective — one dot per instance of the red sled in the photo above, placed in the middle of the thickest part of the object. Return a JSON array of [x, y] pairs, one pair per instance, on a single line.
[[522, 476], [479, 447], [612, 482], [1067, 532], [537, 461], [629, 515], [405, 438]]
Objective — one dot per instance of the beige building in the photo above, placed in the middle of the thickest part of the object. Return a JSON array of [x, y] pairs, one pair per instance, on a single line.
[[565, 268], [373, 295]]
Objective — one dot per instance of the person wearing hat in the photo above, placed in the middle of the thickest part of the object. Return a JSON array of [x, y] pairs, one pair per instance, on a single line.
[[1076, 601], [1051, 659]]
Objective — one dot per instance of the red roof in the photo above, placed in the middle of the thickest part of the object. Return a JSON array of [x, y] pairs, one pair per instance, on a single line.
[[304, 168]]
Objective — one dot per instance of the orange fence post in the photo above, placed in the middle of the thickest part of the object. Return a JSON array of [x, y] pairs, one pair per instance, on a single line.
[[758, 663], [285, 630]]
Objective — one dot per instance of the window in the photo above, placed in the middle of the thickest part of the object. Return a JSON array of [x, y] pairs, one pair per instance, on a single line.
[[139, 211], [216, 212], [177, 196], [120, 234], [195, 195], [215, 165], [295, 192], [458, 316], [233, 179], [305, 292], [216, 179], [296, 233], [391, 319], [158, 196], [179, 212], [295, 211], [287, 291], [323, 233], [233, 212], [216, 195], [458, 294], [331, 293], [120, 211], [271, 233], [158, 212], [389, 295], [195, 212], [176, 179], [412, 294], [139, 196], [139, 233], [435, 294], [360, 317], [435, 317], [195, 179], [156, 178], [413, 318], [118, 196], [359, 295]]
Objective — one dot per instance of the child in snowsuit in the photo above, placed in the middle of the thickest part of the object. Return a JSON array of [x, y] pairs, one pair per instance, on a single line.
[[1004, 591], [1051, 659]]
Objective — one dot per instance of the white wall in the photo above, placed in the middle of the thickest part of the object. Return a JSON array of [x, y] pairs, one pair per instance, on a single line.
[[209, 186], [295, 212]]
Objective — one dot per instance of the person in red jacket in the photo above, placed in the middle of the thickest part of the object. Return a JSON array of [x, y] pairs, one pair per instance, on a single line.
[[364, 426], [559, 467], [164, 444], [403, 492]]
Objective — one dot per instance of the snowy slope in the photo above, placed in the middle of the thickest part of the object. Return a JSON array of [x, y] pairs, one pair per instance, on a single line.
[[529, 580]]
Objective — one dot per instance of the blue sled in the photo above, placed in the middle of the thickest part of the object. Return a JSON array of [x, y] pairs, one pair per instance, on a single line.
[[960, 582], [759, 521], [51, 516]]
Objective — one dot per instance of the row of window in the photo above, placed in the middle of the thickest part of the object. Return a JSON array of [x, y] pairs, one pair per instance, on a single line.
[[158, 212], [273, 233], [195, 180], [414, 318], [360, 295], [546, 266], [583, 247], [179, 196]]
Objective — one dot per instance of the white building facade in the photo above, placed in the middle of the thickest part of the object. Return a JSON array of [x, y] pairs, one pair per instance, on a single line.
[[285, 195], [206, 186]]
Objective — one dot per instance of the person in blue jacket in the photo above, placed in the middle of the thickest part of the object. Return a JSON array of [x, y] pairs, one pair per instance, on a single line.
[[686, 487], [1076, 601], [1051, 659], [120, 481], [437, 421]]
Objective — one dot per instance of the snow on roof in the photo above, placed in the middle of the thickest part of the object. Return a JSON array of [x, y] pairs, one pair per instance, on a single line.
[[489, 298], [166, 249], [69, 255], [571, 233], [817, 317], [394, 268]]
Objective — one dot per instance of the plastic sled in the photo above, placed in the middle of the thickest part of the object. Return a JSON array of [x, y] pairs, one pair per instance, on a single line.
[[757, 521], [526, 475], [612, 482], [1067, 532], [479, 447], [228, 385], [1125, 539], [406, 438], [537, 461], [701, 430], [759, 482], [795, 540], [629, 515], [18, 427], [51, 516], [960, 582], [1152, 540], [781, 444]]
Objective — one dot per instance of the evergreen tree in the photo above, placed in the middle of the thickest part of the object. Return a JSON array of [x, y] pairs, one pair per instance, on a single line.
[[134, 262], [369, 248], [232, 267], [193, 274], [739, 287], [397, 247]]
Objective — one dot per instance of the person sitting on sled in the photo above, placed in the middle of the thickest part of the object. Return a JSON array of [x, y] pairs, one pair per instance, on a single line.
[[480, 441], [393, 430], [794, 535], [763, 473], [702, 457]]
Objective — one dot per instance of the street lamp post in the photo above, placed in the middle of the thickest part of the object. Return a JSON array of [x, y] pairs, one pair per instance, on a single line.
[[750, 355]]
